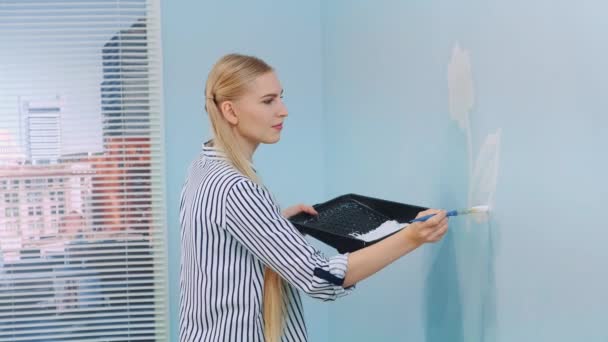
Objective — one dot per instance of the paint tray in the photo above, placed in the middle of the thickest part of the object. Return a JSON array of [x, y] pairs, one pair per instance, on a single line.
[[351, 214]]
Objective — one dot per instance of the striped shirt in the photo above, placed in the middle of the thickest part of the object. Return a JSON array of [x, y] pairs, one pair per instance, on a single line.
[[231, 228]]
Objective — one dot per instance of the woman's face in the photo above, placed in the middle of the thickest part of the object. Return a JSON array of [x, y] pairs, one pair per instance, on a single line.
[[260, 112]]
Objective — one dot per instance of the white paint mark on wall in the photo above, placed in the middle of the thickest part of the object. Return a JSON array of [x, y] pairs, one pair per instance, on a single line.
[[460, 84], [483, 174]]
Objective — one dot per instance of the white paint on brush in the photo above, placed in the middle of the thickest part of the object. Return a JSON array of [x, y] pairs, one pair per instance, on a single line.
[[480, 209], [381, 231]]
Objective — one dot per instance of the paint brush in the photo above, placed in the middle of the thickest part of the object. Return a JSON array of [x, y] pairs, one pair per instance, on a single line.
[[480, 209]]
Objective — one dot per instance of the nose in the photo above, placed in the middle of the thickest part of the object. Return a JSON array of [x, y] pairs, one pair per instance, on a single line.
[[283, 110]]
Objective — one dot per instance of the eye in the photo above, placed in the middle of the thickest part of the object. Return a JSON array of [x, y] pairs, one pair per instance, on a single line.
[[271, 99]]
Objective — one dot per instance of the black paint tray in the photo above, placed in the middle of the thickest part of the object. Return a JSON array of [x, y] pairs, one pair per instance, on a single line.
[[351, 213]]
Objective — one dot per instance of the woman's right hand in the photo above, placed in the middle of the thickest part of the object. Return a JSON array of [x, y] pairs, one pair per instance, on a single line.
[[431, 230], [369, 260]]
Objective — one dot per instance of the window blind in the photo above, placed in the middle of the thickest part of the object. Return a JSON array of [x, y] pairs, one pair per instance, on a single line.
[[82, 224]]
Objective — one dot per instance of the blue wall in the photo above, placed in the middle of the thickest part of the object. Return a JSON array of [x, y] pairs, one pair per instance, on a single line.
[[288, 36], [535, 271], [368, 87]]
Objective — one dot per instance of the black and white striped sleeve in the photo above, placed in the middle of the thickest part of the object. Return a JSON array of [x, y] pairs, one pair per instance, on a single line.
[[256, 222]]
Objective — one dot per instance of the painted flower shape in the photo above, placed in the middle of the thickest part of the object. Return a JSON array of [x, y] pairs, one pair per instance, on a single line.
[[485, 174], [460, 86]]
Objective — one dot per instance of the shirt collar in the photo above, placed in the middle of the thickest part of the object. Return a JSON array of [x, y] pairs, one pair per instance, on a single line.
[[215, 153]]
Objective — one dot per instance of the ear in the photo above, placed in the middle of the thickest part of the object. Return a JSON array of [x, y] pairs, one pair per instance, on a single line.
[[227, 108]]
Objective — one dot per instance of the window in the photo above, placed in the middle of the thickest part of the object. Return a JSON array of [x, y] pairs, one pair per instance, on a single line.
[[11, 198], [11, 212], [34, 211], [34, 197], [82, 226]]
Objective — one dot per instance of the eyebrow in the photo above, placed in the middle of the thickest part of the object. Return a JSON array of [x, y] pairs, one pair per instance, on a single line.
[[272, 94]]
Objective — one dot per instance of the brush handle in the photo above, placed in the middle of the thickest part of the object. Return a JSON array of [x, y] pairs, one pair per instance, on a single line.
[[424, 218]]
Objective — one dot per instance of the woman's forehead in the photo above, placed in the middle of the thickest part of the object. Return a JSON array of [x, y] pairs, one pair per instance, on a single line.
[[266, 84]]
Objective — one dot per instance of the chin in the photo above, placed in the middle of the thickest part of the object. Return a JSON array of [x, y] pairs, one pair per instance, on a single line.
[[272, 140]]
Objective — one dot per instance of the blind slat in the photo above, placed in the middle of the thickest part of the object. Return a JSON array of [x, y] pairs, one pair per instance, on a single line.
[[115, 329], [106, 282], [71, 312]]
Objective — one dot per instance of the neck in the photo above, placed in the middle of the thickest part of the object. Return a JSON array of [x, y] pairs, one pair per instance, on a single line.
[[247, 147]]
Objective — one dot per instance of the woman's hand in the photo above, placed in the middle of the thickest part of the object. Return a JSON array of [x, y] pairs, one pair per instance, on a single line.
[[369, 260], [432, 230], [296, 209]]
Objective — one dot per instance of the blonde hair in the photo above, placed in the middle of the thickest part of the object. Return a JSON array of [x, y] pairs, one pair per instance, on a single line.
[[227, 81]]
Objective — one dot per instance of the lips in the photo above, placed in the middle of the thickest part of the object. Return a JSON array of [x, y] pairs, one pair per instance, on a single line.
[[279, 126]]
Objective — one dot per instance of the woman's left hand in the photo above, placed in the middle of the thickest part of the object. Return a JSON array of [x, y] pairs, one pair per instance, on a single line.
[[296, 209]]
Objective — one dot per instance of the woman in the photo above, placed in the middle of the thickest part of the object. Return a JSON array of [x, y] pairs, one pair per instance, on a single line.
[[243, 263]]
